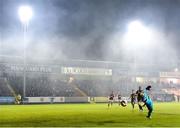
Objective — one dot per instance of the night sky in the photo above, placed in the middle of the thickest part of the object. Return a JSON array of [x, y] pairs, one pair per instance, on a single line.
[[90, 29]]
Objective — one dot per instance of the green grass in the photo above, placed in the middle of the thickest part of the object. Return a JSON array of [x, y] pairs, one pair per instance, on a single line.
[[77, 115]]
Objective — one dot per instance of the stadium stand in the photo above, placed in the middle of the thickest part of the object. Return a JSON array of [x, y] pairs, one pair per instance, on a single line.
[[49, 80]]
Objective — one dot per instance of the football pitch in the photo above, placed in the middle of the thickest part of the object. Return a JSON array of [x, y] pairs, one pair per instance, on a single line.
[[83, 115]]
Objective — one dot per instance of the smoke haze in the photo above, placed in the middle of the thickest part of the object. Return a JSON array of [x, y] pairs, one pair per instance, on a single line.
[[92, 29]]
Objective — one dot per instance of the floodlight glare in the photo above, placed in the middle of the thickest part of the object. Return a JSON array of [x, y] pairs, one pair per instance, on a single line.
[[25, 13], [176, 70], [135, 26], [138, 33]]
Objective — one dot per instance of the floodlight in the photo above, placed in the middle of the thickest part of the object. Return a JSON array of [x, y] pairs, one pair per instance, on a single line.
[[25, 13], [138, 33], [176, 70]]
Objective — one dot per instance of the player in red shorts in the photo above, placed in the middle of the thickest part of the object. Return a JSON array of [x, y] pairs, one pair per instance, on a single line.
[[111, 99], [119, 99], [133, 98]]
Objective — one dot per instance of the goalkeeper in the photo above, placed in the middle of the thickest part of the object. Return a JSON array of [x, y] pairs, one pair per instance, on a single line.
[[147, 101]]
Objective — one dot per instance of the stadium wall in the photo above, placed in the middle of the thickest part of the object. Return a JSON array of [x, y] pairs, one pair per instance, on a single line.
[[7, 100], [58, 100], [50, 100], [71, 99], [45, 99]]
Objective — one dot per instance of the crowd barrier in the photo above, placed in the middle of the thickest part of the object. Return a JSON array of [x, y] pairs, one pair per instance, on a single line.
[[45, 99], [41, 100], [77, 99], [105, 99], [99, 99], [57, 99], [71, 99], [164, 97], [7, 100]]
